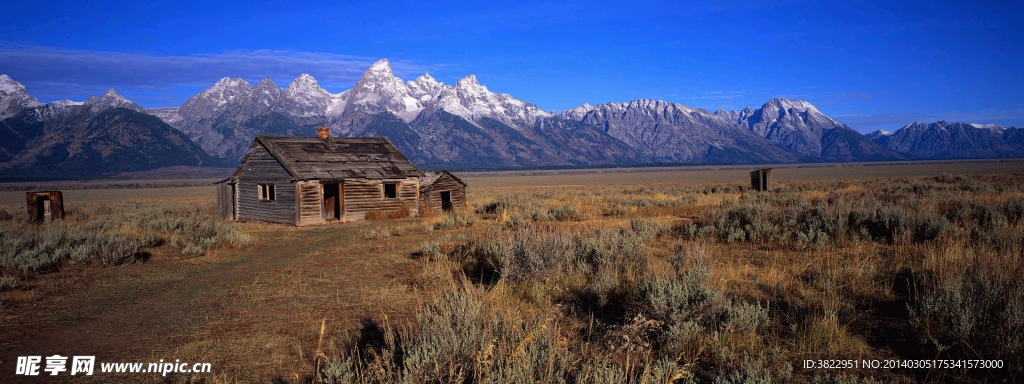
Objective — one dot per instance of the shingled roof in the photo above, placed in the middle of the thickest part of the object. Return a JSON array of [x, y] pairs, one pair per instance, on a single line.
[[430, 177], [308, 158]]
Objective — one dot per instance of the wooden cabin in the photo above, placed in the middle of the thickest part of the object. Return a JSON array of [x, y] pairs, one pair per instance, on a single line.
[[319, 180], [45, 205], [441, 191], [761, 179]]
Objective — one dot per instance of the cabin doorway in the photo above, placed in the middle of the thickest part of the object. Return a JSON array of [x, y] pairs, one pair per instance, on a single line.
[[43, 210], [332, 201], [446, 200], [764, 180]]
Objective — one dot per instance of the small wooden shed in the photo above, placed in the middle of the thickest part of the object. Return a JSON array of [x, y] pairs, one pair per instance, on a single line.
[[441, 191], [45, 205], [761, 179], [318, 180]]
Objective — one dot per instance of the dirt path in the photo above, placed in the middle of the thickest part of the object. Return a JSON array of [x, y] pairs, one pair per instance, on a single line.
[[139, 310]]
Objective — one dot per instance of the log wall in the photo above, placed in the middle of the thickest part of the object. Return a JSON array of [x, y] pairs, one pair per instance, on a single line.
[[310, 203], [431, 198], [226, 201], [361, 197], [262, 168]]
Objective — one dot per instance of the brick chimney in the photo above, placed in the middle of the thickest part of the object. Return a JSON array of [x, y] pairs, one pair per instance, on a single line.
[[323, 132]]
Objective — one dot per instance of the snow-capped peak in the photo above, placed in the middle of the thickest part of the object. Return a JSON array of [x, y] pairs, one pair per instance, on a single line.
[[227, 89], [381, 66], [579, 112], [379, 78], [989, 126], [266, 82], [379, 89], [878, 134], [304, 82], [110, 99], [225, 82], [471, 100], [470, 83], [306, 90], [8, 86], [786, 104], [427, 78], [14, 97], [425, 88]]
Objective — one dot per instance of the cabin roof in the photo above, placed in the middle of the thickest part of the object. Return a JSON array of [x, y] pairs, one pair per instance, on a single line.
[[308, 158], [431, 177]]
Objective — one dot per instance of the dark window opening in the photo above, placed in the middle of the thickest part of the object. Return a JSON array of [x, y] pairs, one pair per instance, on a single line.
[[267, 192], [390, 190]]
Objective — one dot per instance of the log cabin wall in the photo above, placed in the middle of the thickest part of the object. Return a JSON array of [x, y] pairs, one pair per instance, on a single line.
[[362, 196], [262, 168], [310, 203], [431, 199], [226, 201]]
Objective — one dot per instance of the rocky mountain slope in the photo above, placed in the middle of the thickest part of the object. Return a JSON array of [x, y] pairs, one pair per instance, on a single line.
[[463, 125], [942, 140], [434, 124], [466, 124], [669, 132], [799, 126], [103, 135], [14, 98]]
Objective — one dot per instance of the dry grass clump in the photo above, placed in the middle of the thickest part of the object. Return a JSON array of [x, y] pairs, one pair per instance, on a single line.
[[112, 234], [977, 315], [459, 218], [542, 304], [683, 283], [381, 232]]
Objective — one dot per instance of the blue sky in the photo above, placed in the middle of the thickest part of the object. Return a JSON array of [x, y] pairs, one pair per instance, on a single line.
[[868, 65]]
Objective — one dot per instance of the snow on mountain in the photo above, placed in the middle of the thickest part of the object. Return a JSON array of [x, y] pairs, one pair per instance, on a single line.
[[798, 126], [795, 124], [579, 112], [224, 117], [14, 97], [110, 99], [380, 90], [305, 98], [878, 135], [425, 88], [942, 140], [473, 101], [211, 102], [14, 100], [672, 132]]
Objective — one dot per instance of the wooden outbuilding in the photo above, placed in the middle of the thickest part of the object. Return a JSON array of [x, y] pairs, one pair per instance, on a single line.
[[318, 180], [761, 179], [441, 191], [45, 205]]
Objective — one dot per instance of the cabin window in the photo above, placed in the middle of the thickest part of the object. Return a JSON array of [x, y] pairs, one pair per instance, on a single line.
[[390, 190], [267, 192]]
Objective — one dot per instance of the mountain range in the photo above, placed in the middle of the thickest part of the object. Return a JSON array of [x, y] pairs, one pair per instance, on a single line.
[[436, 125], [102, 135]]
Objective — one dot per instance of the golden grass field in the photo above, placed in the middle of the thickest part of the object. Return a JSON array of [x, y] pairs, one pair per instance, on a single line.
[[615, 275]]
